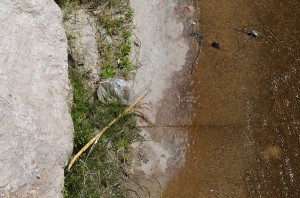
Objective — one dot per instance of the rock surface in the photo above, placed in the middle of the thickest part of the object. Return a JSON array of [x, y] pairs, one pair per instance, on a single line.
[[82, 31], [35, 124], [161, 28]]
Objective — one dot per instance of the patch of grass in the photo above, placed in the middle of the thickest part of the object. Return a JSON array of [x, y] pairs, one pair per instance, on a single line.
[[125, 63], [112, 26], [116, 22], [108, 71], [126, 34], [129, 14], [100, 171], [70, 37], [125, 48]]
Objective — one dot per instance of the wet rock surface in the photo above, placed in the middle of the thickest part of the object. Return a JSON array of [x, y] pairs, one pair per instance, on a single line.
[[35, 125], [160, 26]]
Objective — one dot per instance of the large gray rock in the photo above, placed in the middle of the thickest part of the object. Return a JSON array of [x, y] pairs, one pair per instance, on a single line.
[[35, 124]]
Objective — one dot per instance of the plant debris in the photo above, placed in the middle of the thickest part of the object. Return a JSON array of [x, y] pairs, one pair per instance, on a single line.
[[199, 37]]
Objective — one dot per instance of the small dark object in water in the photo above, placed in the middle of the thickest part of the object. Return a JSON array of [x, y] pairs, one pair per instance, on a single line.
[[253, 33], [215, 45], [199, 37]]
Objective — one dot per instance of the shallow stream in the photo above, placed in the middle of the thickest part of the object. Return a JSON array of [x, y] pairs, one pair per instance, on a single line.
[[245, 138]]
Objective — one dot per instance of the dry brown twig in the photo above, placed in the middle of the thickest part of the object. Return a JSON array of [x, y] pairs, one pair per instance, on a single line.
[[129, 110]]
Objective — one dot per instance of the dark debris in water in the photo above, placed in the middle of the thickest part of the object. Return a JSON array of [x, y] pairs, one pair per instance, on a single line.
[[216, 45]]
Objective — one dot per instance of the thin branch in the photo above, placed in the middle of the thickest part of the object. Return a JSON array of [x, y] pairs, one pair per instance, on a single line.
[[100, 133]]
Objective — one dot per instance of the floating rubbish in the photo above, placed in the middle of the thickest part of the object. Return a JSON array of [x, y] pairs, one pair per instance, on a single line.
[[114, 90], [253, 33], [216, 45], [192, 22]]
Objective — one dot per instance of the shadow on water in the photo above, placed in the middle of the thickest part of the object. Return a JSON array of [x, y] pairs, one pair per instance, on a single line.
[[246, 109]]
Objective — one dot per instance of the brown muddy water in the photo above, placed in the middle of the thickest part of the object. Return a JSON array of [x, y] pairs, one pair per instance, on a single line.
[[246, 114]]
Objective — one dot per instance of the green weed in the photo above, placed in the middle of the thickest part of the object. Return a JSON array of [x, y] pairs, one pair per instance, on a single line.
[[70, 37], [108, 71], [125, 63], [126, 34], [100, 171], [125, 48], [129, 14]]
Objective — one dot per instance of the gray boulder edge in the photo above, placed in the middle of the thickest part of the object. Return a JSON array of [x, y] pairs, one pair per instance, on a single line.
[[35, 124]]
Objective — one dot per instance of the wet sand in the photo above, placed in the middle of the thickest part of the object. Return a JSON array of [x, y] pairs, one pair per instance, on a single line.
[[163, 46], [245, 140]]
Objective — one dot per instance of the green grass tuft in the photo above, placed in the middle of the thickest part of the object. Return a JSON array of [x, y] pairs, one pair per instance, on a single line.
[[100, 171], [101, 174], [108, 71]]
